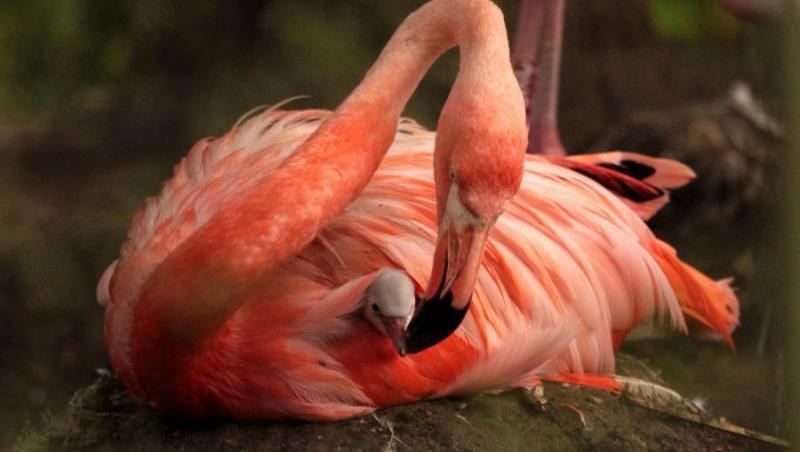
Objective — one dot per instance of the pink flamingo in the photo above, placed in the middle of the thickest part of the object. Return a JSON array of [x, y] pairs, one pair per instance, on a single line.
[[259, 284]]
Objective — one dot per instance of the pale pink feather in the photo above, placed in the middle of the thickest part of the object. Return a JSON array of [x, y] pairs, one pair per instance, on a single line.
[[567, 266]]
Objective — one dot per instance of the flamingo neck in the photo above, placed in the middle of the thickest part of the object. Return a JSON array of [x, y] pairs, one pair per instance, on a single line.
[[475, 26], [204, 281], [485, 88]]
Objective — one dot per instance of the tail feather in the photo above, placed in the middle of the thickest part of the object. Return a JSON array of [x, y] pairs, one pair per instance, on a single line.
[[711, 303], [640, 181], [658, 172]]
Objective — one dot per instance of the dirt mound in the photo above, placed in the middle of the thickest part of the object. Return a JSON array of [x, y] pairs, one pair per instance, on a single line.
[[103, 417]]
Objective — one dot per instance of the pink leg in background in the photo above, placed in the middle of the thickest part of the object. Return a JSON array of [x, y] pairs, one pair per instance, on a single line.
[[537, 59]]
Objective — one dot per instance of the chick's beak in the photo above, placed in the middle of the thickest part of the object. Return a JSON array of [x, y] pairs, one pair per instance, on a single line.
[[457, 261], [396, 330]]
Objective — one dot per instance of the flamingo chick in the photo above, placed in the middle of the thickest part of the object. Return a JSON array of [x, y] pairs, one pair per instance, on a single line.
[[389, 305]]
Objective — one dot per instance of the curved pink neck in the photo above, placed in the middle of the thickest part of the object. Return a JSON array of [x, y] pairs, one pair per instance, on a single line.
[[475, 26], [199, 286]]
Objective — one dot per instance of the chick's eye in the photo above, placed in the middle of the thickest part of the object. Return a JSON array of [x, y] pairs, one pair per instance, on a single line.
[[375, 307], [452, 174]]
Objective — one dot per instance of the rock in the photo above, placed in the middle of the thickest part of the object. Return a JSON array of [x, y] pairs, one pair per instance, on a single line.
[[103, 417]]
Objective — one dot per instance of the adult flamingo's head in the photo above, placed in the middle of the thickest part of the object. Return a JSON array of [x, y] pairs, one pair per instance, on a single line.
[[479, 158]]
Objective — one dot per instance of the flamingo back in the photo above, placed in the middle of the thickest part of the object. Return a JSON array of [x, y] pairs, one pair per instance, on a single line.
[[569, 268]]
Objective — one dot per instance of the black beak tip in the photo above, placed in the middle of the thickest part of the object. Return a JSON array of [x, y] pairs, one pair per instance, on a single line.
[[435, 320]]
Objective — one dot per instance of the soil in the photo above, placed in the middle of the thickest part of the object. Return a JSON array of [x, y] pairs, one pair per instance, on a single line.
[[103, 417]]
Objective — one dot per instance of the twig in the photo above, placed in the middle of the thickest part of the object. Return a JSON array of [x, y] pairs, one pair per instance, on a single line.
[[654, 397], [579, 412], [392, 437]]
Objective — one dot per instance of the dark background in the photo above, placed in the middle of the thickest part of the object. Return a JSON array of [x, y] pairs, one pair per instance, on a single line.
[[99, 98]]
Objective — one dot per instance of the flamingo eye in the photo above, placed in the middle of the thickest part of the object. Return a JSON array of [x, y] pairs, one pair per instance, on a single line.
[[452, 174], [375, 308]]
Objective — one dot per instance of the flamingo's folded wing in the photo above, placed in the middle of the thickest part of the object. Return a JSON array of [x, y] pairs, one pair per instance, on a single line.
[[642, 182]]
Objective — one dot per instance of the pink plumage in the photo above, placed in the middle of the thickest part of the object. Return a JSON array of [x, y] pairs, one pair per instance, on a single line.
[[567, 268], [241, 289]]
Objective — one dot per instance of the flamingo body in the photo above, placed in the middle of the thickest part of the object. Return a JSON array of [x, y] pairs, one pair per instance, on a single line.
[[568, 270]]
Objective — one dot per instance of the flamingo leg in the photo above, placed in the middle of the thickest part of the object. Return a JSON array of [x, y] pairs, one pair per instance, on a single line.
[[536, 59]]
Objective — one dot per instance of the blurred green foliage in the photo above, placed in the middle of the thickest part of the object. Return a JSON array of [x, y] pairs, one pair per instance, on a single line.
[[53, 51], [692, 20], [48, 50]]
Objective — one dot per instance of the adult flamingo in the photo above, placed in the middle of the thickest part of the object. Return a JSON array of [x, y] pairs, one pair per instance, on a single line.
[[247, 288]]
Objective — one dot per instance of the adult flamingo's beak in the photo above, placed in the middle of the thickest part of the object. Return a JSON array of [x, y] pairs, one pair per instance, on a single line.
[[458, 256]]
